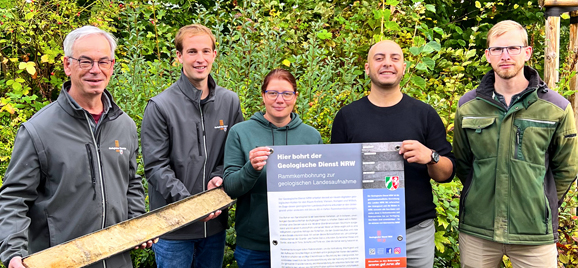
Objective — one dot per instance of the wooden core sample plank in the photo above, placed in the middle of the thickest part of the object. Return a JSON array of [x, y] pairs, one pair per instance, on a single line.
[[558, 3], [117, 238]]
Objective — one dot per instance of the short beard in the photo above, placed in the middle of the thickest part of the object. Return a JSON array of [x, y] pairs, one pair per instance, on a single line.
[[379, 84], [509, 75]]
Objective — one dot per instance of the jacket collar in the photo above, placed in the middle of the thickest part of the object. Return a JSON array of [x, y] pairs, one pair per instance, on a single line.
[[71, 107], [191, 92], [486, 88]]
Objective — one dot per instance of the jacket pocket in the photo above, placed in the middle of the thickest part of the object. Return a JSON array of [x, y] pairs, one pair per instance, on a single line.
[[482, 134], [199, 136], [478, 204], [532, 139], [91, 166], [529, 210]]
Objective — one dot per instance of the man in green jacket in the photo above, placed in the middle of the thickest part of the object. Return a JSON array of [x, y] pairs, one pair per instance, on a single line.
[[515, 146]]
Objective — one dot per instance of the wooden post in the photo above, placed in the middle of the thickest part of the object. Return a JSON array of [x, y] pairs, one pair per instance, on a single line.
[[573, 48], [558, 3], [551, 55]]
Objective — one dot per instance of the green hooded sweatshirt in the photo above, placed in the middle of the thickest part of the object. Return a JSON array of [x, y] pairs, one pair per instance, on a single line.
[[248, 185]]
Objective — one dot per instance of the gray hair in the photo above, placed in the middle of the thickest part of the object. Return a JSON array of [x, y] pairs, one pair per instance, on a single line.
[[85, 31]]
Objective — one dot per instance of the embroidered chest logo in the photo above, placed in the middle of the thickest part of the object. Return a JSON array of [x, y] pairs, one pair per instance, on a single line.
[[221, 126], [117, 147]]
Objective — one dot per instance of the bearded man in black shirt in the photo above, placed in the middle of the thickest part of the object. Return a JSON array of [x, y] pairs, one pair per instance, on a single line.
[[388, 115]]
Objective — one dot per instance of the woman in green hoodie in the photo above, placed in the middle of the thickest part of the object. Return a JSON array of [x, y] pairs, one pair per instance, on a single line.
[[246, 154]]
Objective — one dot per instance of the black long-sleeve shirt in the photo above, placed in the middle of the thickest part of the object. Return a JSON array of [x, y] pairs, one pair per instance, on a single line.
[[410, 119]]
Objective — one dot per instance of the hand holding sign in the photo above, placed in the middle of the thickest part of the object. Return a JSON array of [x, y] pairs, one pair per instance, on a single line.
[[258, 157]]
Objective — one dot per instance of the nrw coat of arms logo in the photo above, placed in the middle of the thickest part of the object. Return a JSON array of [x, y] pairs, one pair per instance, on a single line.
[[392, 183]]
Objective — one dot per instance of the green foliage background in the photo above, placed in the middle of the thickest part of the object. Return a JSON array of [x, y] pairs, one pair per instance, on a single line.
[[324, 43]]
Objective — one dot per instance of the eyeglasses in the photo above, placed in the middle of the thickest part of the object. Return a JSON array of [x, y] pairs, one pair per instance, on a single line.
[[86, 63], [512, 50], [287, 95]]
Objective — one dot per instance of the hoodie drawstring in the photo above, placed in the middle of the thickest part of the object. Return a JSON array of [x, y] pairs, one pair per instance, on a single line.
[[272, 135], [286, 135]]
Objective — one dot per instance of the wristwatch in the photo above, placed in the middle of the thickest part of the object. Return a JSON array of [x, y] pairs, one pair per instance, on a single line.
[[435, 157]]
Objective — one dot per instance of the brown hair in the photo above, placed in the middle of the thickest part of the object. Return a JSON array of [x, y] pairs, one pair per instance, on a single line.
[[192, 30], [280, 74], [505, 26]]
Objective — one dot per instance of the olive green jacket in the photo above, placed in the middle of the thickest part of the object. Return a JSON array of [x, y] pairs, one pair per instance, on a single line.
[[515, 163]]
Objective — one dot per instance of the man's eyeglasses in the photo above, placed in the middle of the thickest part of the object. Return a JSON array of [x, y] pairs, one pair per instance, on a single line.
[[512, 50], [287, 95], [86, 64]]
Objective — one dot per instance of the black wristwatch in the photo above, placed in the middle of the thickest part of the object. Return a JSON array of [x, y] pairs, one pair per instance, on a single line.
[[435, 157]]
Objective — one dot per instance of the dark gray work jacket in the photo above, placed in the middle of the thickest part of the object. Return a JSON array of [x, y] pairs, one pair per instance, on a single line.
[[183, 144], [65, 180]]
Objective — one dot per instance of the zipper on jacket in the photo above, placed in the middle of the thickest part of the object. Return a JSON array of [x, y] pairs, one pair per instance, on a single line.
[[539, 121], [518, 144], [476, 117], [205, 158], [518, 147], [100, 176], [546, 216], [199, 139], [91, 164]]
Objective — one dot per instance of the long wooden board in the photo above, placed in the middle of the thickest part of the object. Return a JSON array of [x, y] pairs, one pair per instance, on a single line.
[[117, 238], [558, 3]]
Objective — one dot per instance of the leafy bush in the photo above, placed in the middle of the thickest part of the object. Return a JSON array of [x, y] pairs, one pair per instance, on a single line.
[[31, 57], [568, 230]]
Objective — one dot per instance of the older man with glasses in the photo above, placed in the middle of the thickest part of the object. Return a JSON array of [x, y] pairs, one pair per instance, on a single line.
[[515, 148], [73, 166]]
